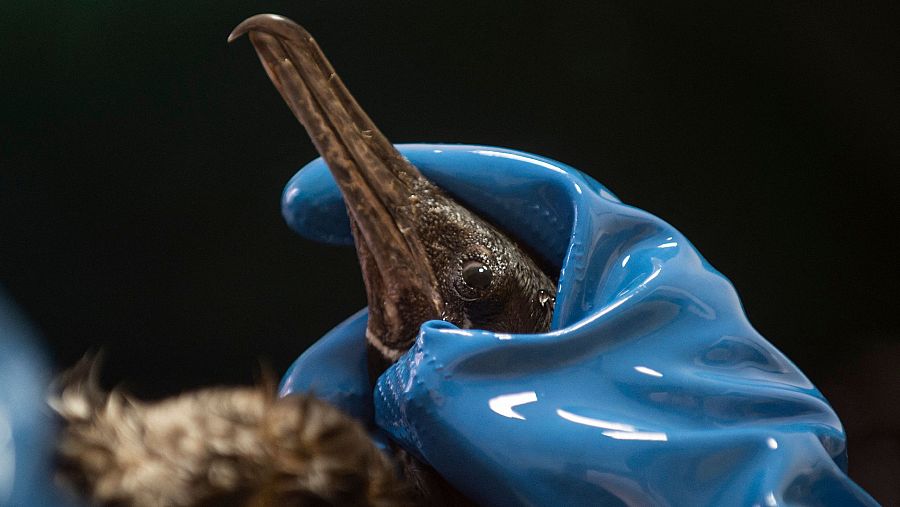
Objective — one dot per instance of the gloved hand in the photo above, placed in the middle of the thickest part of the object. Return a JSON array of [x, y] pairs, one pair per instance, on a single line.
[[26, 428], [650, 388]]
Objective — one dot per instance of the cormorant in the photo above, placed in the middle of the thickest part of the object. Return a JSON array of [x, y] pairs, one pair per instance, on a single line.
[[423, 257]]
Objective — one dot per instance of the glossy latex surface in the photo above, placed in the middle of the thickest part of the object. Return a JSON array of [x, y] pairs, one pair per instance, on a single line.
[[25, 424], [650, 388]]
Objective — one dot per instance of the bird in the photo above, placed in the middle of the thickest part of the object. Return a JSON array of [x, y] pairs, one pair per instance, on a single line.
[[423, 255]]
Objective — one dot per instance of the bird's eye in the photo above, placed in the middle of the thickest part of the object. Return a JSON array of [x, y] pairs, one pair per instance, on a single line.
[[477, 275]]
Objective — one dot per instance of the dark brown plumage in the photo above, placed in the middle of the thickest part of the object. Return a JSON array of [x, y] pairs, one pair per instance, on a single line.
[[220, 446]]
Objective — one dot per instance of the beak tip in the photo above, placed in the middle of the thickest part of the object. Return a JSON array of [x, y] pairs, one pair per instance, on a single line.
[[270, 23], [244, 27]]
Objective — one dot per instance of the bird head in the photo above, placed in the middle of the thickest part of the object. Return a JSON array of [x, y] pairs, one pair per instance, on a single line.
[[423, 255]]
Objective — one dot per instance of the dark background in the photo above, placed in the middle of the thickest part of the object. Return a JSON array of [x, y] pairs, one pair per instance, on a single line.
[[143, 159]]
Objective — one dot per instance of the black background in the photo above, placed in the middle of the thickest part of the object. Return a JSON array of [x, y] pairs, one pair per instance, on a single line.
[[143, 160]]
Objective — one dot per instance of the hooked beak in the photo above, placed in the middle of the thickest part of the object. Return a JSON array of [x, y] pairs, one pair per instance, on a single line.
[[378, 184]]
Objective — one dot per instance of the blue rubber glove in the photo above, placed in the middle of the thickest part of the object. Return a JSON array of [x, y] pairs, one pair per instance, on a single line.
[[26, 426], [650, 388]]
